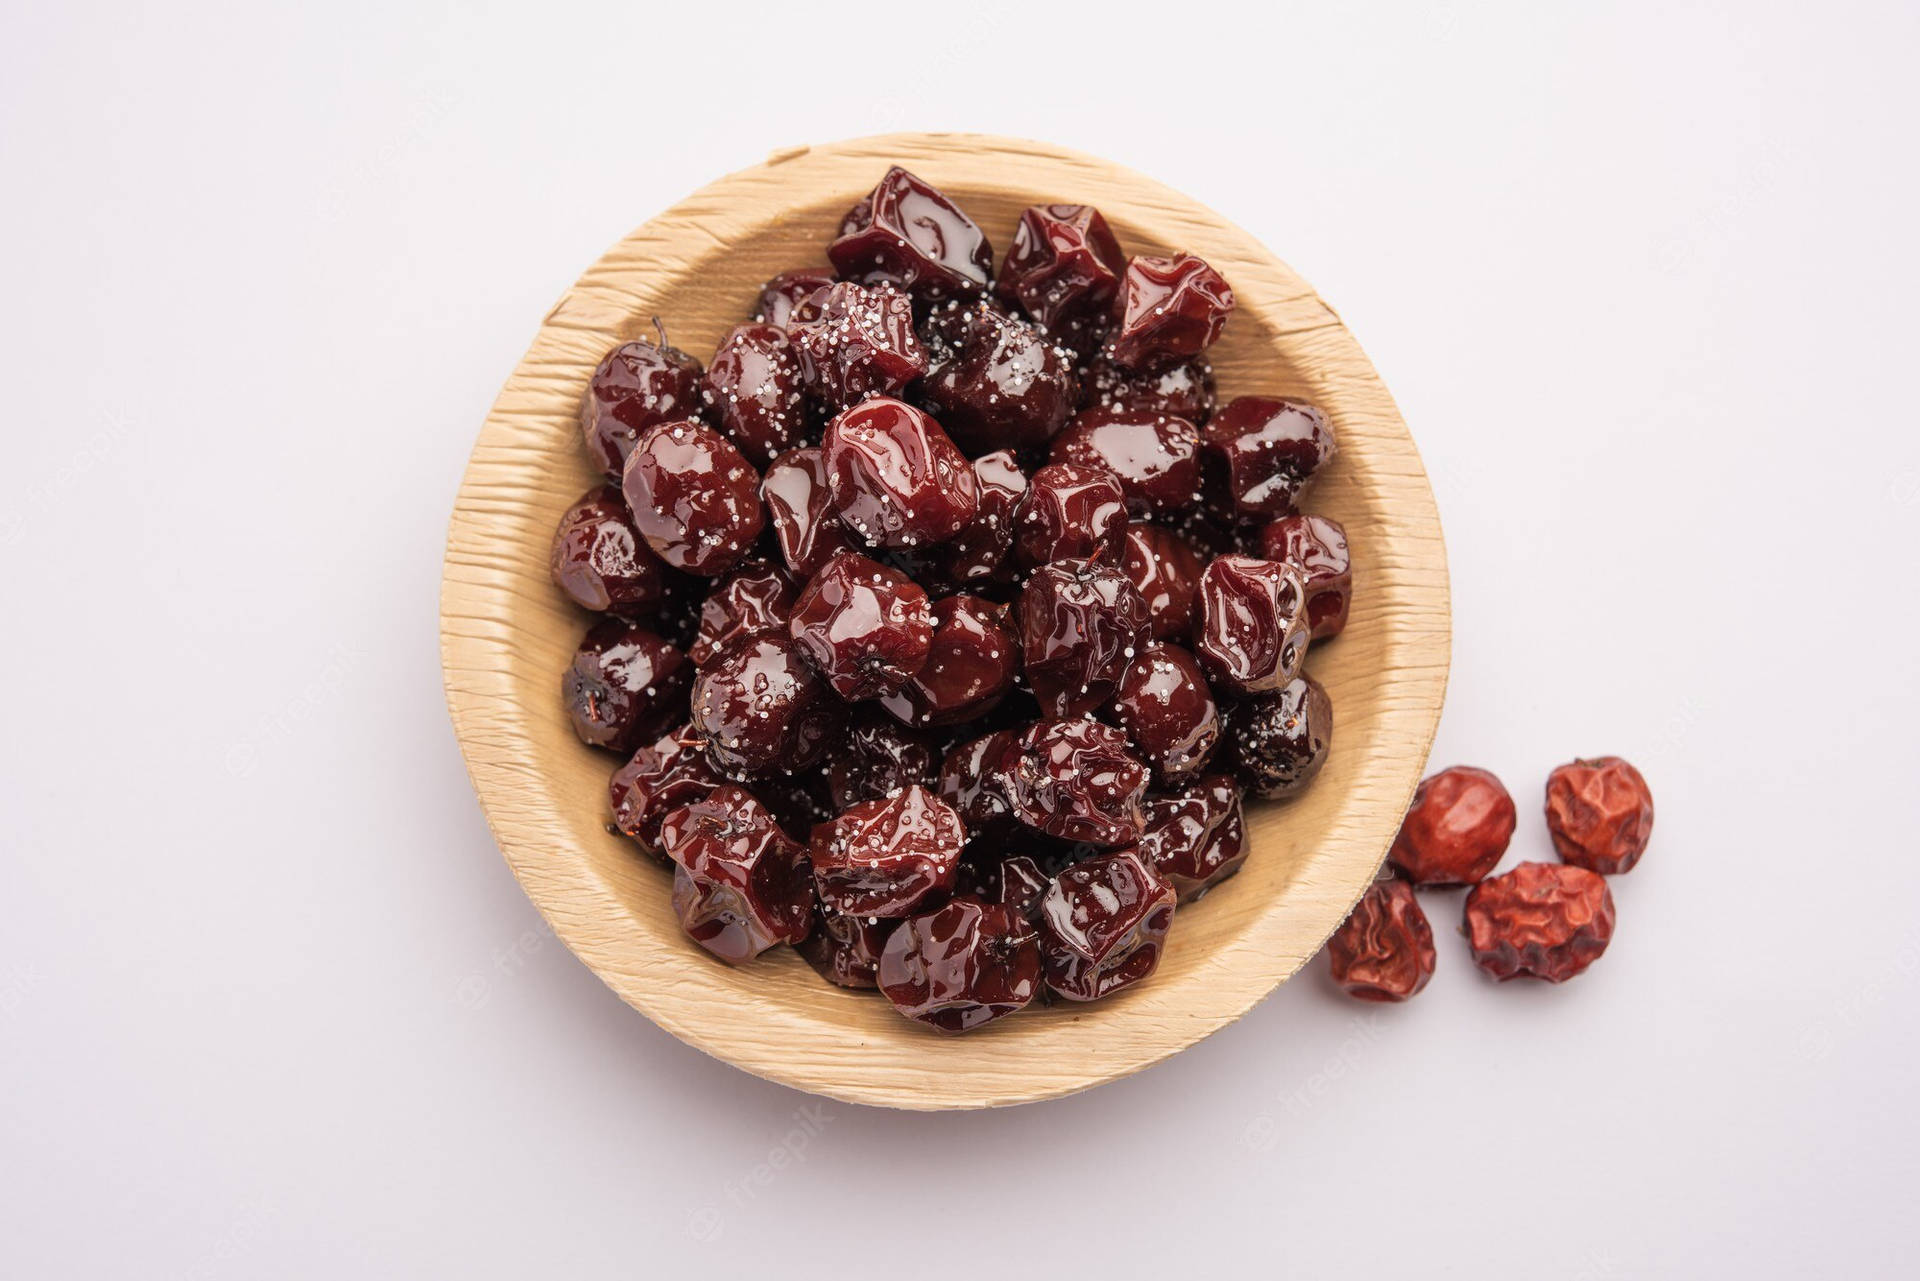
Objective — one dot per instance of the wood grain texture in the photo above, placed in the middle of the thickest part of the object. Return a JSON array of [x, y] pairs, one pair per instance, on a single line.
[[506, 634]]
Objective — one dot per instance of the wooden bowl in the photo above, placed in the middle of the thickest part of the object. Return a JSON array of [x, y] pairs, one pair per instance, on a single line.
[[506, 634]]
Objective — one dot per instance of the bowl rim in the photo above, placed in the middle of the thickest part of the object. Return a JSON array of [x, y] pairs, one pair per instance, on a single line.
[[495, 739]]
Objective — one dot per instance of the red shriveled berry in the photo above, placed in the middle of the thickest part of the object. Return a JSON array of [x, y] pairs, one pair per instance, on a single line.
[[1196, 836], [1081, 623], [1541, 920], [638, 385], [1063, 267], [864, 627], [1317, 547], [856, 342], [1170, 310], [755, 597], [1276, 743], [756, 391], [758, 706], [979, 553], [1076, 780], [1070, 512], [800, 510], [694, 498], [970, 666], [1599, 814], [1155, 457], [1103, 923], [885, 857], [598, 559], [975, 781], [845, 950], [1267, 451], [625, 685], [897, 480], [1384, 950], [1165, 570], [961, 966], [1003, 385], [877, 758], [1456, 829], [1185, 390], [1164, 704], [667, 773], [741, 885], [906, 232], [786, 291], [1253, 623]]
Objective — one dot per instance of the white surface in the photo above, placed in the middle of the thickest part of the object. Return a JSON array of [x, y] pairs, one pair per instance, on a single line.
[[270, 1002]]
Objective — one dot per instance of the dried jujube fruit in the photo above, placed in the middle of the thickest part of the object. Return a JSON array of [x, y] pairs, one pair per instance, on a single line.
[[786, 291], [755, 597], [1169, 310], [855, 342], [1185, 390], [1456, 829], [1063, 267], [740, 885], [845, 950], [980, 553], [1002, 386], [971, 664], [1318, 548], [1081, 623], [1268, 450], [665, 774], [974, 780], [758, 706], [897, 480], [756, 390], [885, 857], [1074, 779], [1195, 836], [961, 966], [1168, 711], [1022, 885], [625, 685], [1384, 950], [1253, 623], [1165, 570], [1155, 457], [1276, 744], [638, 385], [1541, 920], [906, 232], [1103, 923], [599, 560], [800, 511], [1599, 814], [1070, 512], [877, 758], [865, 628], [694, 498]]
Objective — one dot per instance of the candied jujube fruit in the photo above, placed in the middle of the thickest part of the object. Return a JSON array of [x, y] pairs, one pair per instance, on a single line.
[[974, 780], [1168, 711], [786, 291], [1185, 390], [758, 706], [599, 560], [1022, 885], [864, 627], [970, 666], [1165, 570], [663, 775], [1268, 450], [885, 857], [1081, 623], [1253, 623], [906, 232], [1074, 779], [800, 510], [625, 685], [741, 885], [980, 552], [845, 950], [1003, 386], [855, 342], [1318, 548], [694, 497], [961, 966], [877, 758], [1063, 267], [1599, 814], [1541, 920], [1456, 829], [756, 391], [755, 597], [1155, 457], [1195, 837], [637, 385], [1103, 923], [897, 480], [1169, 310], [1276, 743], [1384, 950], [1070, 512]]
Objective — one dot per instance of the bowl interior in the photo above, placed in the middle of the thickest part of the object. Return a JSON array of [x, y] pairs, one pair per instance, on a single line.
[[507, 634]]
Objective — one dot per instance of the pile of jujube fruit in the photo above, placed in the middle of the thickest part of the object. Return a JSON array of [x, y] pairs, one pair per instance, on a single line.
[[946, 620], [1538, 920]]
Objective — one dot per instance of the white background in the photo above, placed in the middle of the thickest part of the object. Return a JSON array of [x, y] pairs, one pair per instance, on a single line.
[[1643, 281]]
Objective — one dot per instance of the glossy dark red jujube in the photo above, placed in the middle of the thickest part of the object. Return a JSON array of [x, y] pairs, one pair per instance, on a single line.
[[1155, 457], [1253, 623], [907, 232], [972, 662], [694, 497], [1073, 779], [1268, 449], [625, 685], [1165, 570], [636, 386], [1167, 709], [756, 391], [740, 885], [855, 342], [961, 966], [1276, 743], [662, 776], [887, 857], [1317, 547], [1070, 512], [800, 511], [759, 706], [1169, 310], [599, 559], [897, 480], [1081, 623], [1196, 835], [866, 628], [1003, 386], [1103, 924], [755, 596]]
